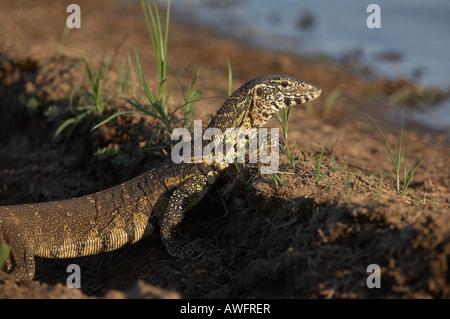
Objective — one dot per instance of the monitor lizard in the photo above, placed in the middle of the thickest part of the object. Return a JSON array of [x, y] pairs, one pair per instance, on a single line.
[[109, 219]]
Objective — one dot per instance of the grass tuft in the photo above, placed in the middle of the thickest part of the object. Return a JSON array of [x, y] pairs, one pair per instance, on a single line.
[[158, 100], [396, 156]]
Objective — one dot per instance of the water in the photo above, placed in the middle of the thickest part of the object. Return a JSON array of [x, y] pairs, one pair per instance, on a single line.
[[413, 40]]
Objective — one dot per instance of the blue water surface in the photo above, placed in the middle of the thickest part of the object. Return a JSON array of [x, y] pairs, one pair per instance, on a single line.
[[413, 40]]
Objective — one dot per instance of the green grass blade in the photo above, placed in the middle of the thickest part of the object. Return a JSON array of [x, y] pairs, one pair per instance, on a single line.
[[405, 171], [159, 44], [318, 164], [399, 154], [143, 110], [4, 252], [397, 165], [147, 22], [395, 158], [382, 134], [230, 78], [166, 36], [286, 111], [409, 176], [71, 98], [191, 86], [277, 114], [63, 38], [191, 94], [177, 77], [133, 74], [331, 101], [113, 117], [147, 91], [64, 125]]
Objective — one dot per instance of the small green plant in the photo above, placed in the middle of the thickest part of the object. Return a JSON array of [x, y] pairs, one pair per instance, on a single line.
[[113, 155], [95, 96], [72, 121], [277, 176], [124, 82], [396, 156], [284, 126], [278, 179], [158, 106], [4, 252], [91, 101], [319, 174], [190, 95], [33, 104], [159, 102]]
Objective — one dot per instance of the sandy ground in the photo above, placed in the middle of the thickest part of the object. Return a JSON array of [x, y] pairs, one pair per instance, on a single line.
[[305, 239]]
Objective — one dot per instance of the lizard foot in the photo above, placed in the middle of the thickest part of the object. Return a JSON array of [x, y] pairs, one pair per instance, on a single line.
[[189, 250]]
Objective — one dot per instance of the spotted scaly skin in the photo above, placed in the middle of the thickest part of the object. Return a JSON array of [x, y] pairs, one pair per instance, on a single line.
[[109, 219]]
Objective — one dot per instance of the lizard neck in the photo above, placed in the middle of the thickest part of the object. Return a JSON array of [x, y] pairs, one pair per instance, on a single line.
[[235, 111]]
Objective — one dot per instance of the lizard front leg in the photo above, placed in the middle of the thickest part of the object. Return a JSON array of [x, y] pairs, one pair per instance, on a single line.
[[182, 199]]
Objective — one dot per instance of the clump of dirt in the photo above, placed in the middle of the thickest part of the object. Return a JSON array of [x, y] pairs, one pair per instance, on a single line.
[[307, 238], [407, 93]]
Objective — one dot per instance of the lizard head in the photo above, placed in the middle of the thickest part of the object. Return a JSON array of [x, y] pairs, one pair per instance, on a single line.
[[254, 103], [271, 94]]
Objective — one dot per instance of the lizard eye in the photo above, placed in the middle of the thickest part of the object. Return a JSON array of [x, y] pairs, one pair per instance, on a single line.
[[284, 84]]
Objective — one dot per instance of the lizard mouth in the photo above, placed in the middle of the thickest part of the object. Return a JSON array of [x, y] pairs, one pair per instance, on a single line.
[[300, 98], [314, 92], [313, 95], [317, 93]]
